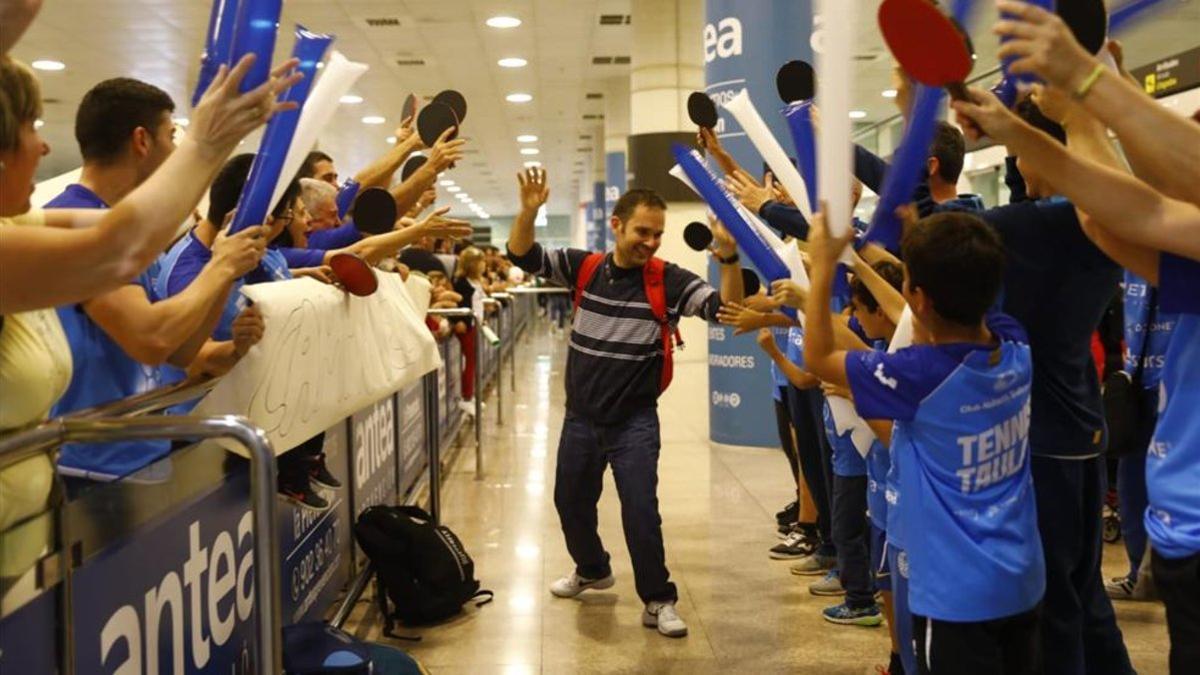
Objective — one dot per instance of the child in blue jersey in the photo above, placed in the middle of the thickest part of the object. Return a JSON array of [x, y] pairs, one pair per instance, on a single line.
[[960, 445]]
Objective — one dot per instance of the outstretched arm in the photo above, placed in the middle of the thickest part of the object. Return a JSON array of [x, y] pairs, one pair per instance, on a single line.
[[820, 355], [534, 193]]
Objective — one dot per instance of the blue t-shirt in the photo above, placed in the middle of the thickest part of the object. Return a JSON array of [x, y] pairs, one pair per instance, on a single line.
[[301, 257], [795, 345], [960, 449], [102, 372], [1057, 284], [846, 461], [1147, 331], [879, 462], [777, 377], [1173, 460], [182, 264]]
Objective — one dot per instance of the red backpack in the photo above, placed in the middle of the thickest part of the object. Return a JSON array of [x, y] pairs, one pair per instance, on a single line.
[[656, 294]]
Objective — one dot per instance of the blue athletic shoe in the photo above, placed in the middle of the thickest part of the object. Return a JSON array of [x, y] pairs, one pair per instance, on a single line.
[[848, 616]]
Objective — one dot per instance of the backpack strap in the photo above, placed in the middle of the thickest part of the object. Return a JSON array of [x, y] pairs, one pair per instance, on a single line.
[[587, 270], [656, 295]]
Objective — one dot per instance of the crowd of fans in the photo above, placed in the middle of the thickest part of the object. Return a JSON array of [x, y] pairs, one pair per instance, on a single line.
[[963, 501]]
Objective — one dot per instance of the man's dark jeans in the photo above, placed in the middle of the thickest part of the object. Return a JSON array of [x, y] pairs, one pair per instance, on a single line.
[[631, 447]]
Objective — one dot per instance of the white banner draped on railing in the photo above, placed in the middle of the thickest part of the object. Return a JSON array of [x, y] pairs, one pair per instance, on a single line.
[[324, 355]]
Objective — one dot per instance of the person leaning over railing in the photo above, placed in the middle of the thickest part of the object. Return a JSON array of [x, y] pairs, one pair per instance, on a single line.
[[106, 249]]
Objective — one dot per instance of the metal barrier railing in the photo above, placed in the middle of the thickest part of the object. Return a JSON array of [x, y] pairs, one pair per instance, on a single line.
[[48, 436], [466, 314]]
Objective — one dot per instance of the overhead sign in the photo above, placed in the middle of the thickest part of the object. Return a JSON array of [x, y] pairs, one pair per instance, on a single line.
[[1170, 75]]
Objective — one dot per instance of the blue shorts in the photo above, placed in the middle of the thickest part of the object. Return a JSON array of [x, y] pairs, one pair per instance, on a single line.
[[879, 563]]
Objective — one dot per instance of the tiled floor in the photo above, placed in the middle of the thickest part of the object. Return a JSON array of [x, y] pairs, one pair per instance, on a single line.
[[746, 613]]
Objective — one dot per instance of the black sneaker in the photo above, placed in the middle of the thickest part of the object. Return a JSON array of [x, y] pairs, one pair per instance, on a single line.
[[319, 473], [301, 493], [789, 514], [785, 531], [797, 545]]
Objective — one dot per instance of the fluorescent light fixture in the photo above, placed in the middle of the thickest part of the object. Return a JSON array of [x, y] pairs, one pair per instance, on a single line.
[[503, 22], [453, 188], [530, 151], [518, 98], [391, 140], [446, 183], [527, 138], [351, 99], [858, 114], [512, 62], [530, 165], [48, 64], [889, 93], [373, 119]]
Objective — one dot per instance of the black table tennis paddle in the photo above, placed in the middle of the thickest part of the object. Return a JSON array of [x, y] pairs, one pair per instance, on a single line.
[[1088, 21], [697, 236], [456, 101], [434, 119], [701, 110], [410, 167], [374, 211], [796, 81], [750, 282], [929, 45], [409, 108]]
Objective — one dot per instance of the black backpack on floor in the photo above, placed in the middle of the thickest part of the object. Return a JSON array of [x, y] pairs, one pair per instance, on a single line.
[[422, 568]]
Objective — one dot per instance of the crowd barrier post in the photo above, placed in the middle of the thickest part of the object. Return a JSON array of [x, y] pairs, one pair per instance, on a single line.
[[494, 302], [263, 474], [433, 445], [478, 398]]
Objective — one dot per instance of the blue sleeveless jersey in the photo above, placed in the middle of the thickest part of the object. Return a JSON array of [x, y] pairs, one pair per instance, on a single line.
[[1147, 331], [960, 457], [1173, 460]]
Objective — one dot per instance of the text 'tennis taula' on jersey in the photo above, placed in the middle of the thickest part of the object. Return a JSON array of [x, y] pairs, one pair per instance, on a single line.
[[615, 358]]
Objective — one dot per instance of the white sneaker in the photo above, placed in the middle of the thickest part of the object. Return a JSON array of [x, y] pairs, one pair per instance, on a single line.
[[573, 584], [662, 615]]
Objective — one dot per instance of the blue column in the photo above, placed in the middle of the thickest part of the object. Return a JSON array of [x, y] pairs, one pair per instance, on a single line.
[[614, 183], [599, 217], [744, 45]]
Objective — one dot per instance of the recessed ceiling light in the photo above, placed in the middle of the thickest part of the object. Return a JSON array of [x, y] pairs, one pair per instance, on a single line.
[[530, 165], [38, 124], [391, 140], [889, 93], [373, 119], [530, 151], [503, 22], [527, 138], [351, 99], [453, 188], [518, 98], [512, 62], [47, 64], [858, 114], [447, 183], [180, 121]]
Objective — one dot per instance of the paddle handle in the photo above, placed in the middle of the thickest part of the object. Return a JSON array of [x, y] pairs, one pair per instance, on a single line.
[[957, 91]]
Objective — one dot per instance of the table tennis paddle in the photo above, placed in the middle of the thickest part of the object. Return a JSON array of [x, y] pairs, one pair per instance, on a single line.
[[697, 236], [796, 81], [1088, 21], [701, 110], [929, 45], [409, 108], [374, 211], [750, 282], [355, 275], [434, 119], [456, 101], [410, 167]]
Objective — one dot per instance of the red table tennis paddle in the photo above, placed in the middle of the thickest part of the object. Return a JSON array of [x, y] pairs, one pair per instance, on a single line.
[[929, 45], [355, 275]]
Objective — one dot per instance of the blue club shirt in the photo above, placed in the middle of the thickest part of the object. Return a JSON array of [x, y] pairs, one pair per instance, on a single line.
[[103, 372], [1147, 331], [182, 264], [846, 461], [335, 237], [778, 379], [960, 451], [1173, 460]]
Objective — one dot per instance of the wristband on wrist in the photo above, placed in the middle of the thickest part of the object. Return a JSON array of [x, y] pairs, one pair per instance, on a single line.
[[727, 261], [1089, 81]]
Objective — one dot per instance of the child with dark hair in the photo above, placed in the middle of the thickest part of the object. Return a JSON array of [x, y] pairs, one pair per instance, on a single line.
[[960, 492]]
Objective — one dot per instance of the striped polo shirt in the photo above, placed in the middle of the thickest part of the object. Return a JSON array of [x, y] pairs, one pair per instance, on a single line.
[[615, 359]]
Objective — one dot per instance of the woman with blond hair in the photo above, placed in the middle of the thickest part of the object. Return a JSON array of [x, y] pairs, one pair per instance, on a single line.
[[470, 284]]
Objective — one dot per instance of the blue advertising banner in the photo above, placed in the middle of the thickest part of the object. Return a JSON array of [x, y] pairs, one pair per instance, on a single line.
[[316, 546], [29, 636], [179, 597], [745, 43], [412, 458], [615, 182], [373, 455]]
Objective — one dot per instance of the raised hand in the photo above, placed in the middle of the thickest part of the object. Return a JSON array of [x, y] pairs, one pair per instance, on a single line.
[[788, 293], [445, 152], [724, 245], [824, 249], [438, 226], [748, 191], [224, 116], [982, 114], [247, 329], [1041, 43], [534, 188], [740, 317]]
